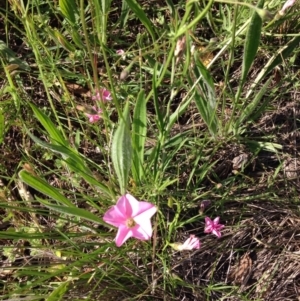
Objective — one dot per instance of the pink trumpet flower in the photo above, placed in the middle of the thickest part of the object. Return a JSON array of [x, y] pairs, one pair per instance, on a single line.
[[191, 243], [213, 226], [95, 115], [132, 217], [103, 95]]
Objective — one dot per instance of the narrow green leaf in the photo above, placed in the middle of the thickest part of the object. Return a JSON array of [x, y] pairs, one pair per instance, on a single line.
[[252, 42], [87, 176], [63, 41], [256, 146], [245, 114], [171, 8], [11, 57], [139, 131], [282, 54], [51, 129], [69, 10], [74, 161], [136, 8], [74, 211], [124, 14], [43, 187], [58, 293], [179, 111], [205, 96], [105, 5], [121, 150], [2, 126], [158, 111], [64, 151]]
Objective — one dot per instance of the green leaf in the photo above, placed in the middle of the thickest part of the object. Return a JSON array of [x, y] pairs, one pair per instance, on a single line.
[[179, 111], [63, 41], [2, 126], [43, 187], [205, 96], [121, 151], [124, 14], [74, 161], [58, 293], [10, 57], [51, 129], [69, 10], [158, 110], [136, 8], [74, 211], [139, 131], [251, 42], [256, 146], [246, 113], [105, 5], [282, 54]]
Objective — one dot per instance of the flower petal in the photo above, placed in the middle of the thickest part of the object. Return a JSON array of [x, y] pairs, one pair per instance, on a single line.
[[115, 217], [216, 220], [144, 210], [140, 233], [123, 234], [127, 205], [144, 226], [216, 232]]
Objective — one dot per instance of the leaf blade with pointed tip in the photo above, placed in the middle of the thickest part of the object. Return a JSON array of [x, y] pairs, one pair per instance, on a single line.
[[136, 8], [139, 131], [121, 150], [43, 187], [251, 42]]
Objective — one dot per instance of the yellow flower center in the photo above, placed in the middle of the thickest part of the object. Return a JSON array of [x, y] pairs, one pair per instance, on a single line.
[[130, 223]]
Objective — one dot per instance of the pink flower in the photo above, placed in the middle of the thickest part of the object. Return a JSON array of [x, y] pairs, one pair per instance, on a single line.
[[191, 243], [286, 5], [131, 217], [213, 226], [102, 94], [94, 115], [121, 52]]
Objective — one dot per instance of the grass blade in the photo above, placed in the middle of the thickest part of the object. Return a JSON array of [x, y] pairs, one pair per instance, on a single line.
[[69, 10], [43, 187], [136, 8], [247, 112], [282, 54], [74, 161], [59, 292], [139, 131], [2, 126], [205, 97], [51, 129], [74, 211]]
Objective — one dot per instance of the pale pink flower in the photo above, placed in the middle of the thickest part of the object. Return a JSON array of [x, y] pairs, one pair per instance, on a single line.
[[191, 243], [102, 94], [131, 217], [213, 226], [121, 52], [287, 4], [95, 115]]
